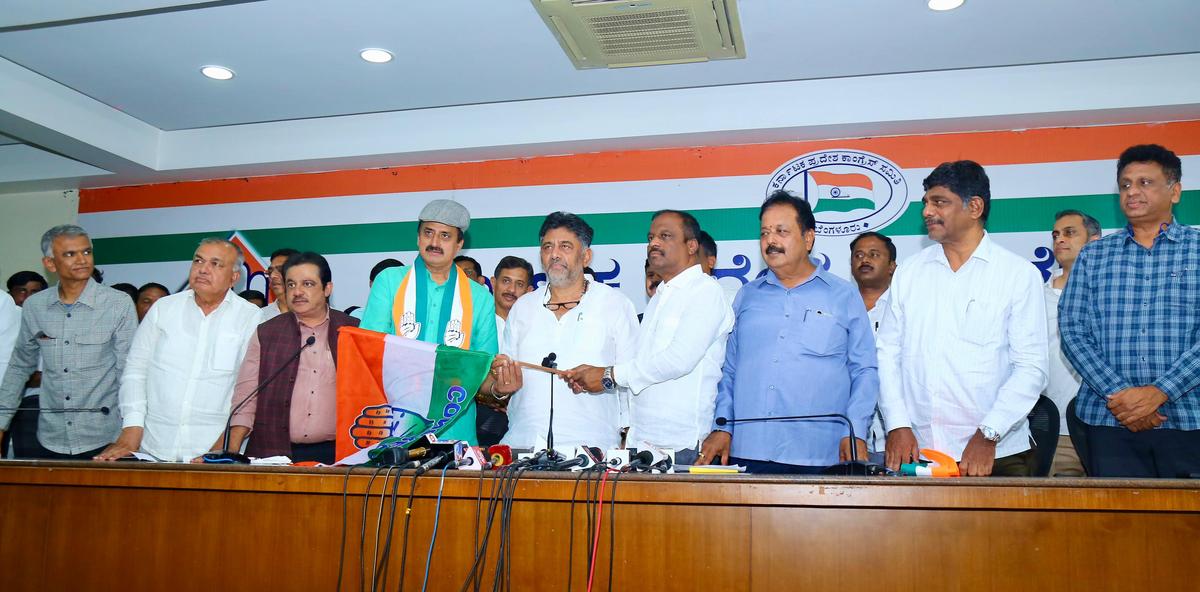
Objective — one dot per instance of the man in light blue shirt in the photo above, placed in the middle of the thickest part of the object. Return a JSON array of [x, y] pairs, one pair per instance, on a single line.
[[802, 345]]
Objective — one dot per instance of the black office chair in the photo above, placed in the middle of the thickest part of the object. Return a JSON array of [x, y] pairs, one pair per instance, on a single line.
[[1043, 425], [1079, 437]]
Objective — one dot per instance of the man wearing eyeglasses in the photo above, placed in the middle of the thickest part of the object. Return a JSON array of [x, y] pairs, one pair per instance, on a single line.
[[1130, 325], [581, 322]]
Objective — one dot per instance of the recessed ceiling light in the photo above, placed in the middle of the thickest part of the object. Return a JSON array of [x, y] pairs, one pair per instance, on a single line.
[[217, 72], [944, 4], [376, 56]]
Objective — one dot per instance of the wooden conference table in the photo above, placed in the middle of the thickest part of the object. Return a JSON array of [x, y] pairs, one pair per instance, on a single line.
[[126, 526]]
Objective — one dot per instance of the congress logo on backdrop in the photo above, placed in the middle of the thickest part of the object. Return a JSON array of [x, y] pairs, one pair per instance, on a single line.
[[850, 191]]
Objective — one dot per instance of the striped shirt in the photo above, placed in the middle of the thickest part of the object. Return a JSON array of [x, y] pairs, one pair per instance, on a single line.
[[1130, 316]]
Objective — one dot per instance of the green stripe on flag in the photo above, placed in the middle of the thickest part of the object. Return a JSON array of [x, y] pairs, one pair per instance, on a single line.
[[457, 375], [1030, 214]]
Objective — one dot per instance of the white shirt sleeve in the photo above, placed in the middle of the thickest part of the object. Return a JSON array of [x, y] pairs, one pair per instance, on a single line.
[[10, 325], [891, 381], [1027, 354], [706, 318], [137, 364]]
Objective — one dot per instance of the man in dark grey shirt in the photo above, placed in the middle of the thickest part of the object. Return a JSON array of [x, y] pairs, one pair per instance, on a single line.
[[82, 331]]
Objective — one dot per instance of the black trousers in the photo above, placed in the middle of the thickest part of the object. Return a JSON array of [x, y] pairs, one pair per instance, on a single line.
[[766, 467], [1162, 453], [321, 452], [43, 453], [23, 431], [490, 425]]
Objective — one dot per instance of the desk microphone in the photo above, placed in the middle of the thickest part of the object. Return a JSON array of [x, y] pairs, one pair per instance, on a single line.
[[227, 456], [853, 467]]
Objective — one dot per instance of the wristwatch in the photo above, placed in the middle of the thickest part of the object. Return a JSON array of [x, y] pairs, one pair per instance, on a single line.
[[607, 381], [989, 434]]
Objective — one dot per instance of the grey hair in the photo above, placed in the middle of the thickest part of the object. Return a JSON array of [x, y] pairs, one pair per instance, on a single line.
[[1090, 224], [68, 230], [214, 240]]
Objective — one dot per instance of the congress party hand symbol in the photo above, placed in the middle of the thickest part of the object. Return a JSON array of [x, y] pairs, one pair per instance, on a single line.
[[375, 423]]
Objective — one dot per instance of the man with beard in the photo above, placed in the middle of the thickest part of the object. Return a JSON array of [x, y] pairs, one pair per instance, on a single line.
[[582, 322], [962, 348], [872, 264], [430, 299], [801, 346], [680, 346]]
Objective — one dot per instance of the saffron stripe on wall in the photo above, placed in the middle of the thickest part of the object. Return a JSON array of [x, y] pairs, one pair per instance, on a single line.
[[1007, 215], [989, 148]]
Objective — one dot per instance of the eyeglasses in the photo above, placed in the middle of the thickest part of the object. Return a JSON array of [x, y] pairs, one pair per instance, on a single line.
[[568, 305], [1142, 183]]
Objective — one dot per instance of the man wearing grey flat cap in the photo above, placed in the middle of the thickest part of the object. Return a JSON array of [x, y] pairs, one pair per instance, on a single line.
[[430, 299]]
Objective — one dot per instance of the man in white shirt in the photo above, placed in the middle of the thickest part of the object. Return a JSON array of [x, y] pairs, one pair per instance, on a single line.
[[674, 372], [275, 275], [1072, 231], [179, 376], [962, 349], [872, 265], [581, 322]]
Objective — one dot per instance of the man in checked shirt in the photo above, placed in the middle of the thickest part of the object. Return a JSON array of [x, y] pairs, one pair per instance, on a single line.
[[82, 331], [1130, 324]]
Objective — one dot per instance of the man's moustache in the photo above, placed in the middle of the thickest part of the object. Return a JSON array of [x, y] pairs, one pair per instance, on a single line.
[[771, 250]]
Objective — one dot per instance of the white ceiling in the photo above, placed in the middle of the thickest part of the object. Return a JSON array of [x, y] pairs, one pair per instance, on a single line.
[[119, 89]]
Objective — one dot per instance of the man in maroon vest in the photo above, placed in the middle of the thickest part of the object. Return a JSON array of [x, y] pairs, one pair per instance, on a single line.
[[294, 414]]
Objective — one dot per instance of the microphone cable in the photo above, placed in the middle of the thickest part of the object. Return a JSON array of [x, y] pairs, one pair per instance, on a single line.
[[379, 581], [362, 533], [612, 527], [596, 539], [342, 553], [404, 541], [437, 514], [387, 474]]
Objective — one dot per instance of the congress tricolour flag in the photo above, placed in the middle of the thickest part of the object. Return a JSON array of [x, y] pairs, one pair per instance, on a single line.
[[839, 192], [393, 387]]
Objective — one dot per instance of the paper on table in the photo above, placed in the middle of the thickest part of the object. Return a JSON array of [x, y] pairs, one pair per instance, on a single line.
[[271, 461]]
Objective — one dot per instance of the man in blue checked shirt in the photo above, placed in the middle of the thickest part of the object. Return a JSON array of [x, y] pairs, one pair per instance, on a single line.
[[801, 345], [1130, 324]]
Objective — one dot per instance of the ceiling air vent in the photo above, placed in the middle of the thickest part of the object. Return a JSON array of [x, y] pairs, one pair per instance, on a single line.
[[623, 33]]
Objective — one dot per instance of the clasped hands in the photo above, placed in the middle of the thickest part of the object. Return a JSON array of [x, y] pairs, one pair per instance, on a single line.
[[1137, 407]]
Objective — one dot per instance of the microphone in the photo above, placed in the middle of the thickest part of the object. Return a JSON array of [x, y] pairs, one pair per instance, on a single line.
[[641, 460], [853, 467], [549, 362], [433, 462], [501, 455], [588, 457], [393, 457], [227, 456], [101, 410]]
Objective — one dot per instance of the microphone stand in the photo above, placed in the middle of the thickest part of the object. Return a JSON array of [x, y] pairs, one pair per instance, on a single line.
[[853, 467], [549, 362], [227, 456]]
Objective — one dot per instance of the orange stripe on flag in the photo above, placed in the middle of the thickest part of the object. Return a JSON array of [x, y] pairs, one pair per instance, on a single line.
[[359, 381], [987, 148], [842, 180]]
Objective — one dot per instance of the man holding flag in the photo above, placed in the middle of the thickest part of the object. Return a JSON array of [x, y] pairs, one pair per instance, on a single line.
[[433, 300]]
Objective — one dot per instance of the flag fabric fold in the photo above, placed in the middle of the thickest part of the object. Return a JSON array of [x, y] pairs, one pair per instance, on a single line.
[[394, 387]]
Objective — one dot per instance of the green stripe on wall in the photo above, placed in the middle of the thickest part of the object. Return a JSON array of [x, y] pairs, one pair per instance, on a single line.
[[1032, 214]]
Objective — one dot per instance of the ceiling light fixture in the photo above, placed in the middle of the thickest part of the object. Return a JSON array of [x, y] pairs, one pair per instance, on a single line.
[[217, 72], [376, 56], [944, 4]]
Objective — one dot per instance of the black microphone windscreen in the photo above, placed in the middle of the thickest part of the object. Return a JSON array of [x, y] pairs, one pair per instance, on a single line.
[[721, 421], [644, 457], [311, 340], [105, 410]]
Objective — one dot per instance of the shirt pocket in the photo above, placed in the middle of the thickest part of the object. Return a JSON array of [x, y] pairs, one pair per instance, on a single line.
[[983, 324], [227, 350], [93, 350], [1183, 290], [821, 334]]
